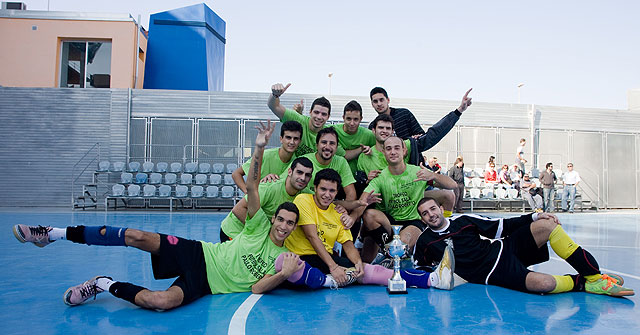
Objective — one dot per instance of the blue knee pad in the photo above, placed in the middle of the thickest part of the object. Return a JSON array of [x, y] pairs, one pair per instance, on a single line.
[[114, 236], [311, 277], [415, 278]]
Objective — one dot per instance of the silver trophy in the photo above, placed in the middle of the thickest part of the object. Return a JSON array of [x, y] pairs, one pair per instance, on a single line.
[[396, 249]]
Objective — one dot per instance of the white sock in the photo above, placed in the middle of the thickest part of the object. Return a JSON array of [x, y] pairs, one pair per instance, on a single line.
[[58, 234], [104, 283], [433, 279], [329, 282]]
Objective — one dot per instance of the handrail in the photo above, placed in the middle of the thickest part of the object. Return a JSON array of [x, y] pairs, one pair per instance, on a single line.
[[73, 169]]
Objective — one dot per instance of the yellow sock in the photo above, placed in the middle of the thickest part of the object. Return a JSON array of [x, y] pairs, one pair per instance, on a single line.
[[447, 213], [563, 284], [561, 243], [592, 278]]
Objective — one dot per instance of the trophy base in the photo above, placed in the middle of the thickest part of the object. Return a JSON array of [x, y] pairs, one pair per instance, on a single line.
[[397, 287], [396, 292]]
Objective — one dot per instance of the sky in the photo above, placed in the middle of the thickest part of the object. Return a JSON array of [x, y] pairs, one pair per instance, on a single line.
[[565, 52]]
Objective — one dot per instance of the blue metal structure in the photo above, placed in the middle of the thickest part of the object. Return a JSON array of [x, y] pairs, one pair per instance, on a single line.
[[186, 50]]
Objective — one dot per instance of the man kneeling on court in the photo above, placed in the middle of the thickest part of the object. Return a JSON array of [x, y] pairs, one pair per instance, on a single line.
[[321, 226], [509, 246], [244, 264]]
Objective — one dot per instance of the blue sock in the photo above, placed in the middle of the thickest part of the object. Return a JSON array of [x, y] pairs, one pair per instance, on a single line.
[[114, 236], [415, 278], [311, 277]]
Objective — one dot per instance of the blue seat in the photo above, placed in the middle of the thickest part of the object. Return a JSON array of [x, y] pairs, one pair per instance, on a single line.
[[155, 178], [231, 167], [217, 168], [227, 192], [162, 167], [170, 178], [117, 190], [141, 178], [201, 179], [186, 179], [212, 191], [197, 191], [181, 191], [117, 167], [126, 178], [133, 167], [164, 191], [204, 168], [149, 191], [133, 190], [176, 167], [191, 167], [215, 179], [228, 180], [103, 166], [147, 167]]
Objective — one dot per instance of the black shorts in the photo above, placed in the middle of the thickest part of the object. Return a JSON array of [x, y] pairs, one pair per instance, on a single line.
[[316, 262], [405, 224], [519, 250], [182, 258]]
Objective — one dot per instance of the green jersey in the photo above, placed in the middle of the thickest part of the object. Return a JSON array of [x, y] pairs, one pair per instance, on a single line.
[[308, 140], [377, 161], [271, 163], [400, 194], [236, 265], [337, 163], [348, 141], [271, 196]]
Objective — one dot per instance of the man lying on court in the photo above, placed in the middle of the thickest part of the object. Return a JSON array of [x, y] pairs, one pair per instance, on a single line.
[[243, 264], [509, 246]]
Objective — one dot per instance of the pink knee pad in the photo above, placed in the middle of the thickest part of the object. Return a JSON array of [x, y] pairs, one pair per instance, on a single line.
[[295, 276], [376, 274]]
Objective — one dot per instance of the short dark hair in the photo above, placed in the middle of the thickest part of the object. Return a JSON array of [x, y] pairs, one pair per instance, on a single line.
[[289, 206], [352, 106], [329, 175], [377, 90], [304, 161], [322, 101], [382, 117], [548, 165], [327, 130], [291, 126], [425, 199]]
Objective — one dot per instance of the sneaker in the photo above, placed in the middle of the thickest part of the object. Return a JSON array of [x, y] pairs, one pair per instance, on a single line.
[[442, 276], [351, 278], [387, 263], [37, 235], [607, 285], [78, 294], [617, 278]]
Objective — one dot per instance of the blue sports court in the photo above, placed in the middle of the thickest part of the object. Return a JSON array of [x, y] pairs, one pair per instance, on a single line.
[[34, 280]]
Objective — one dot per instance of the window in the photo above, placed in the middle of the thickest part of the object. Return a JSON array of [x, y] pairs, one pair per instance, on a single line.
[[85, 64]]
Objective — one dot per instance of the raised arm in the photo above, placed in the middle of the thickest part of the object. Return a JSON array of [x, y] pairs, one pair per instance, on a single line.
[[237, 176], [253, 177], [274, 99], [441, 128]]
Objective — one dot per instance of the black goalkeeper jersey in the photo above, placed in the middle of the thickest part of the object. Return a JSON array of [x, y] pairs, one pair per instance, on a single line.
[[476, 244]]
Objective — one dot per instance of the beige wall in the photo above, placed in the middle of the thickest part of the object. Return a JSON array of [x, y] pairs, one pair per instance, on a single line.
[[31, 58]]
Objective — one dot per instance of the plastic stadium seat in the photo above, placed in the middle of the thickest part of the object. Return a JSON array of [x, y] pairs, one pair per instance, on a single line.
[[479, 172], [204, 168], [141, 178], [228, 180], [467, 172], [126, 178], [537, 182], [535, 173], [164, 191], [467, 182], [212, 191], [117, 190], [227, 192], [133, 167], [170, 178], [117, 167], [161, 167], [147, 167], [155, 178], [215, 179], [217, 168], [476, 182], [201, 179], [474, 193], [149, 191], [191, 167], [501, 193], [487, 192], [176, 167], [186, 179], [133, 190], [103, 166], [181, 191], [231, 167], [513, 193], [197, 191]]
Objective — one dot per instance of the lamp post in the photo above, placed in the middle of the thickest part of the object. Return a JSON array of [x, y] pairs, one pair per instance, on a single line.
[[330, 75], [519, 86]]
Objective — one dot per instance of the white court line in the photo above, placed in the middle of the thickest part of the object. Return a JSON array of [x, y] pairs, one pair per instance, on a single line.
[[602, 269], [239, 319]]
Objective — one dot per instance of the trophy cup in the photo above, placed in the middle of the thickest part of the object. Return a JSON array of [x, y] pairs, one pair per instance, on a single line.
[[396, 249]]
